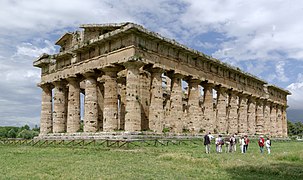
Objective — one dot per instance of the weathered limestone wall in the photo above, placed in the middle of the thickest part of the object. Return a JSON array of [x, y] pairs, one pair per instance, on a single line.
[[59, 113], [90, 105], [73, 111], [46, 110]]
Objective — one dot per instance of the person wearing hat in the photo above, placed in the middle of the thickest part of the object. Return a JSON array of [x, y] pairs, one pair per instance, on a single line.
[[261, 143]]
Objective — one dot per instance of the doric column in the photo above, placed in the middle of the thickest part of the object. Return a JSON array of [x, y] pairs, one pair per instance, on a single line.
[[122, 100], [110, 115], [266, 117], [156, 111], [208, 104], [259, 117], [176, 106], [273, 120], [194, 110], [100, 95], [233, 113], [242, 124], [73, 110], [284, 122], [133, 107], [221, 114], [90, 103], [251, 115], [145, 83], [46, 123], [279, 121], [60, 107]]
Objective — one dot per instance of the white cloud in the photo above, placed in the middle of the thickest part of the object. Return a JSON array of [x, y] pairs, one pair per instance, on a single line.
[[296, 98]]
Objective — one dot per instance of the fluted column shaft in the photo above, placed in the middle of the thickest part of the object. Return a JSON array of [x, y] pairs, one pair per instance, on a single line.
[[273, 120], [266, 117], [221, 110], [156, 111], [194, 110], [90, 104], [242, 125], [133, 107], [284, 122], [233, 113], [259, 117], [110, 115], [209, 118], [122, 112], [279, 121], [176, 106], [251, 115], [73, 110], [100, 95], [46, 123], [145, 87], [60, 107]]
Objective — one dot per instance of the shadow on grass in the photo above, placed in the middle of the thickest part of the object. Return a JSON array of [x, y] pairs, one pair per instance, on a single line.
[[275, 171]]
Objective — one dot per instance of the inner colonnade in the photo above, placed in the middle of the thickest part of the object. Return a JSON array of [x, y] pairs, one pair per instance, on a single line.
[[136, 80]]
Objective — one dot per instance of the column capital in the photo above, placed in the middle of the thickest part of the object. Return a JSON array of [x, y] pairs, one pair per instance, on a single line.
[[45, 86], [59, 83], [207, 84], [89, 74], [133, 64]]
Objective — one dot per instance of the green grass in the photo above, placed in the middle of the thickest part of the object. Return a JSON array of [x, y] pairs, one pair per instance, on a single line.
[[162, 162]]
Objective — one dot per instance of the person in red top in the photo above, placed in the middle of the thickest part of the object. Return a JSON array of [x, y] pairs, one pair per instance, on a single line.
[[261, 143], [246, 141]]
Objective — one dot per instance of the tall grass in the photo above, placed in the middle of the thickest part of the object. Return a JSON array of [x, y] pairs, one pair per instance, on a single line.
[[162, 162]]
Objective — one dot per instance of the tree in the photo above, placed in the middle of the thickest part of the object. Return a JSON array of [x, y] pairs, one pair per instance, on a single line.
[[11, 133]]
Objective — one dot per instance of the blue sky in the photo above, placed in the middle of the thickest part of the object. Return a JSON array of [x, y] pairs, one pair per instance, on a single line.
[[261, 37]]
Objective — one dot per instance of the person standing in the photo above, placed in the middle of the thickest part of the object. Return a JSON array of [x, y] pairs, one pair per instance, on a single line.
[[261, 143], [232, 141], [246, 141], [268, 145], [242, 143], [219, 143], [207, 140], [227, 144]]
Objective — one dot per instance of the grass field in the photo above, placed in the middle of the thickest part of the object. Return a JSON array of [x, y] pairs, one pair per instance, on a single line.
[[162, 162]]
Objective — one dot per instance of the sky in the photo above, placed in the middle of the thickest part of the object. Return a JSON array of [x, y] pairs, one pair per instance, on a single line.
[[261, 37]]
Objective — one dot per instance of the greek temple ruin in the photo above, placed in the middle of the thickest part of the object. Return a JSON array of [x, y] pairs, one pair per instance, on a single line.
[[135, 80]]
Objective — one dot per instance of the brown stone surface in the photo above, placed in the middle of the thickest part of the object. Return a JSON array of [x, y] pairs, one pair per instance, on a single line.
[[60, 108], [209, 118], [90, 104], [221, 122], [243, 122], [133, 107], [73, 106], [194, 109], [260, 117], [233, 113], [156, 111], [46, 124]]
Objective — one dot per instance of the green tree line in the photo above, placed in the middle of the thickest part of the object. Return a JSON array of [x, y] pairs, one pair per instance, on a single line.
[[24, 132], [295, 128]]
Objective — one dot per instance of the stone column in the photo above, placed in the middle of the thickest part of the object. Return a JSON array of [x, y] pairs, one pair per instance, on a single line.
[[122, 93], [266, 117], [100, 95], [251, 115], [221, 110], [194, 109], [243, 124], [73, 110], [176, 106], [133, 107], [110, 115], [156, 111], [233, 113], [259, 117], [145, 83], [60, 110], [279, 121], [46, 123], [90, 103], [273, 120], [284, 122], [208, 104]]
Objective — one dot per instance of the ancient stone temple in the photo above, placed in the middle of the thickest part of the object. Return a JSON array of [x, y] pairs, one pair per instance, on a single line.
[[135, 80]]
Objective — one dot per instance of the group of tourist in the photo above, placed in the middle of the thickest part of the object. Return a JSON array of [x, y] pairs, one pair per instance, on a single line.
[[230, 143]]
